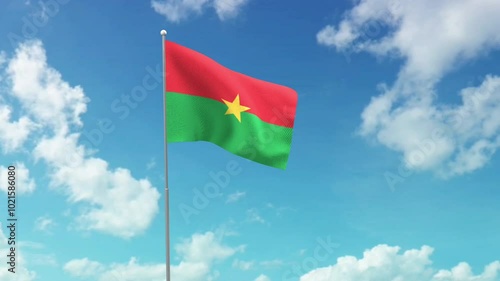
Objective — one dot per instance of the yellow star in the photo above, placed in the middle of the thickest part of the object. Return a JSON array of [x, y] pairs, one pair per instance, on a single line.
[[235, 108]]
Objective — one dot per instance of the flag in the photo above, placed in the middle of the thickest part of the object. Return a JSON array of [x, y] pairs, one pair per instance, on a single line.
[[246, 116]]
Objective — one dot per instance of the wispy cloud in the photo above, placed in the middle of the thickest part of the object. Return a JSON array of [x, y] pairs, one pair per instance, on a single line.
[[234, 197], [262, 277], [151, 164], [42, 259], [272, 263], [44, 224], [278, 210], [180, 10], [243, 265], [254, 216]]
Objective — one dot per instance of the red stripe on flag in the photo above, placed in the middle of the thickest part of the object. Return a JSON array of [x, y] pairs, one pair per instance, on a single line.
[[193, 73]]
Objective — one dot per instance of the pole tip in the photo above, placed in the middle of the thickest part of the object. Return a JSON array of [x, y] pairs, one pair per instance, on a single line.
[[163, 32]]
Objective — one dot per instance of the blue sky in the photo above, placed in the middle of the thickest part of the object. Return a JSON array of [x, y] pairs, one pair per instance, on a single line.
[[392, 173]]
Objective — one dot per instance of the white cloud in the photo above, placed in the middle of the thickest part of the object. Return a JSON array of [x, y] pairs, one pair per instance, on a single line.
[[36, 254], [23, 183], [180, 10], [3, 58], [133, 271], [116, 202], [340, 38], [205, 248], [262, 277], [433, 38], [51, 101], [234, 197], [254, 216], [83, 268], [226, 230], [44, 224], [227, 9], [243, 265], [197, 257], [43, 260], [279, 210], [13, 134], [151, 164], [272, 263], [21, 271], [125, 206], [30, 244], [383, 263], [60, 150]]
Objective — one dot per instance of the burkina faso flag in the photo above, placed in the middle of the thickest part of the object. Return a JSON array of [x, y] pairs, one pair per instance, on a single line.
[[206, 101]]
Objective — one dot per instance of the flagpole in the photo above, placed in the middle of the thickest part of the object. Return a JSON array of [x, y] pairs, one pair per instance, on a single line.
[[167, 205]]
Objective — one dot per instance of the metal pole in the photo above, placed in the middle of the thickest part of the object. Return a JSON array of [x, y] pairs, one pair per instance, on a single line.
[[167, 206]]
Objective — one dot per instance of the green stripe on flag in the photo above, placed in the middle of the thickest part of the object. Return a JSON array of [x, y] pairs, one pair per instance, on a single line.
[[192, 118]]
